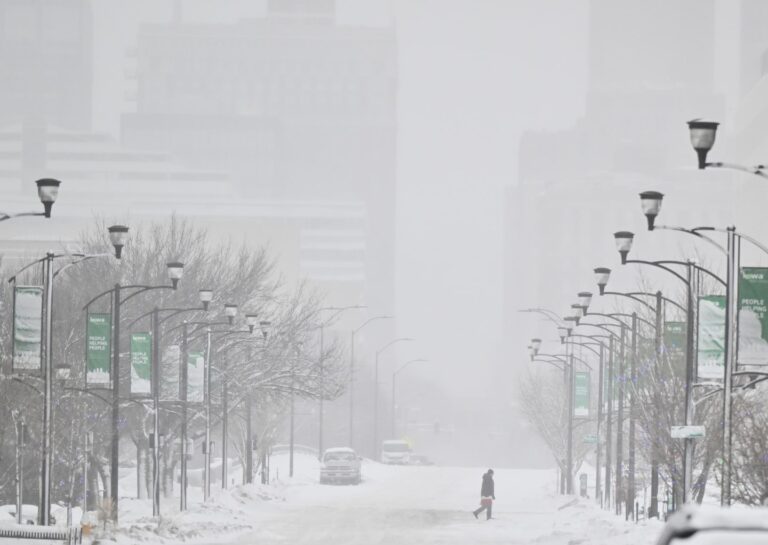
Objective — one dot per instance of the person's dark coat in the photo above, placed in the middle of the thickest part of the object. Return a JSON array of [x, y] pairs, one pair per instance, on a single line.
[[487, 490]]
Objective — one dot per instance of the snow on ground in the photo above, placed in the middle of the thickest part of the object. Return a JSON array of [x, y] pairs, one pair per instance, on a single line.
[[393, 505]]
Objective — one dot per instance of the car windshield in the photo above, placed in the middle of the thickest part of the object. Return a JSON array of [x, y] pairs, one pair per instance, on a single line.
[[395, 447], [340, 456]]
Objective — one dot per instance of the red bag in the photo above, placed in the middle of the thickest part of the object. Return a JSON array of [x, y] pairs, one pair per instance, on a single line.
[[486, 502]]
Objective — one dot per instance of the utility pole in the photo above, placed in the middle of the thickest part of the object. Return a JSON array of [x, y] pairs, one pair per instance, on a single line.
[[653, 511], [352, 390], [630, 508], [609, 410], [156, 415], [224, 422], [600, 387], [183, 373], [322, 394], [731, 338], [293, 412], [207, 446], [569, 463], [620, 423], [690, 366], [114, 462], [251, 444], [44, 514], [20, 430]]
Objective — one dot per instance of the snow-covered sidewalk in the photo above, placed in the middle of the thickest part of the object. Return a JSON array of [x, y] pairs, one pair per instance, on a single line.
[[394, 505]]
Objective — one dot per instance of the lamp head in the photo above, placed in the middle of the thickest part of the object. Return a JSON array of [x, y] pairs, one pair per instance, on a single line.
[[175, 272], [265, 327], [624, 241], [230, 311], [118, 236], [535, 345], [651, 204], [702, 138], [585, 299], [48, 191], [206, 296], [577, 311], [563, 332], [602, 275], [252, 321]]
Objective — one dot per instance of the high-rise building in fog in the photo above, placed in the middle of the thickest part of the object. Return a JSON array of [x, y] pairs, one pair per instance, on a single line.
[[46, 62], [651, 69], [296, 108]]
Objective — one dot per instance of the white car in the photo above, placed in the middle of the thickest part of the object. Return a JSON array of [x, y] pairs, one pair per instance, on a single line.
[[340, 465], [705, 525], [395, 451]]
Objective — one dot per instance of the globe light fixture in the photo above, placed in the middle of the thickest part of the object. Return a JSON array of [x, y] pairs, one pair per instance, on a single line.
[[175, 272], [252, 320], [118, 236], [602, 275], [624, 241], [651, 204], [230, 311], [703, 135], [265, 326], [206, 296], [48, 191]]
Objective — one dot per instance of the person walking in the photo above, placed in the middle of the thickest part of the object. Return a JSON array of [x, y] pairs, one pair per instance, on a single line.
[[487, 495]]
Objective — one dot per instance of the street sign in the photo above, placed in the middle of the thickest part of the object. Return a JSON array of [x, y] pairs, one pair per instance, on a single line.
[[687, 432]]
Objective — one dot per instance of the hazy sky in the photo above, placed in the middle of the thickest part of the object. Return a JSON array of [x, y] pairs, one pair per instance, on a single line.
[[473, 75]]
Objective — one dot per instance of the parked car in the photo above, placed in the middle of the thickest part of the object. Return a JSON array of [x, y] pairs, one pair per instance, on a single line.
[[419, 460], [340, 465], [700, 525], [395, 451]]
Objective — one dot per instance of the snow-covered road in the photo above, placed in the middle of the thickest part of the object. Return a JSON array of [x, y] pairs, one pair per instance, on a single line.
[[429, 505]]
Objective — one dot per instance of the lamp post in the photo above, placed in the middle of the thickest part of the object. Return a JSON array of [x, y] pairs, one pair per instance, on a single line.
[[205, 296], [602, 276], [651, 202], [376, 393], [321, 400], [394, 386], [47, 192], [624, 241], [175, 271], [352, 374]]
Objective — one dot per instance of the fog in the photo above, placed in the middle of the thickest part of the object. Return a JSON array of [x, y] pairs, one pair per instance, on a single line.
[[413, 173]]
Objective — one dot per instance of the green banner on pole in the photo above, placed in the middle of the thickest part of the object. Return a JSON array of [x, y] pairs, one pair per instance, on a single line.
[[27, 328], [141, 364], [195, 377], [580, 394], [753, 316], [97, 355], [711, 347], [674, 339]]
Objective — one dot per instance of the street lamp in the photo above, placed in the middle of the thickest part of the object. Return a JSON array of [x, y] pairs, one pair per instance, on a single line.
[[175, 271], [49, 191], [118, 236], [650, 201], [376, 392], [230, 311], [535, 345], [353, 333], [394, 384], [251, 320], [265, 326], [702, 134], [206, 296]]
